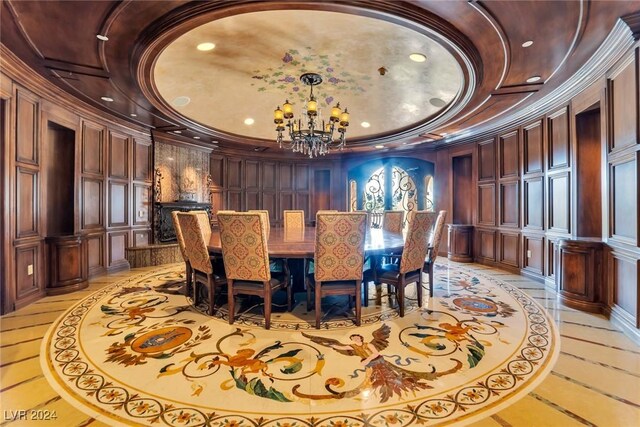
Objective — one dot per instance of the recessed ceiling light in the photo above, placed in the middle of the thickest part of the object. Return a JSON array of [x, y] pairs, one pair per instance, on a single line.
[[365, 124], [249, 121], [101, 37], [181, 101], [106, 98], [177, 131], [134, 115], [379, 146], [527, 43], [170, 159], [417, 57], [437, 102], [444, 134], [204, 47], [404, 143], [533, 79], [196, 137]]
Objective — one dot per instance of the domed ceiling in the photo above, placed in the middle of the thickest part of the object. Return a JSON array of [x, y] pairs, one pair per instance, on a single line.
[[253, 63], [489, 65]]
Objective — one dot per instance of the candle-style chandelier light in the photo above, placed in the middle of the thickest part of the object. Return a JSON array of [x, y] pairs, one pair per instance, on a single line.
[[317, 138]]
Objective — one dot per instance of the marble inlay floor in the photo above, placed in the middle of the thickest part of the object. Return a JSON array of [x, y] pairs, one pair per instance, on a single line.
[[595, 381]]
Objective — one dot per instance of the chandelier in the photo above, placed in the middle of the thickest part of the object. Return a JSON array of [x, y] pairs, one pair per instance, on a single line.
[[317, 138]]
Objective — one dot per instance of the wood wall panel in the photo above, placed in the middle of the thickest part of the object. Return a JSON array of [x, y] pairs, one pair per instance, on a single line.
[[27, 203], [91, 204], [486, 160], [27, 128], [217, 200], [301, 202], [301, 177], [234, 201], [234, 174], [27, 283], [534, 203], [118, 193], [252, 200], [92, 147], [118, 156], [510, 204], [269, 176], [625, 277], [532, 148], [269, 202], [486, 244], [141, 204], [624, 199], [487, 204], [588, 161], [216, 170], [142, 160], [252, 175], [551, 258], [96, 258], [117, 241], [508, 155], [559, 202], [462, 174], [533, 249], [558, 125], [286, 177], [509, 252], [286, 202], [624, 108]]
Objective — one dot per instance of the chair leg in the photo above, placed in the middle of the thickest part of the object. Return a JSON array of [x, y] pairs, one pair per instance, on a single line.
[[419, 285], [231, 301], [366, 294], [431, 279], [358, 304], [289, 297], [307, 284], [318, 305], [267, 305], [400, 292], [212, 293], [189, 273]]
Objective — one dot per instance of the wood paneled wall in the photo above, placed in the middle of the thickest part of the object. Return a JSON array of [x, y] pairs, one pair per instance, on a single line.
[[244, 183], [109, 180]]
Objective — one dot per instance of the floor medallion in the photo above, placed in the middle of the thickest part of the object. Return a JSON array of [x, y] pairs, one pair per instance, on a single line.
[[138, 352]]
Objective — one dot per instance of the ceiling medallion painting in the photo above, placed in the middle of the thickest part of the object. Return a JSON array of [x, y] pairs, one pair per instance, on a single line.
[[252, 64], [138, 353]]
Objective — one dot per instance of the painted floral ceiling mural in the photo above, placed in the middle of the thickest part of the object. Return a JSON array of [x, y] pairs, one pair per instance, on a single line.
[[258, 59]]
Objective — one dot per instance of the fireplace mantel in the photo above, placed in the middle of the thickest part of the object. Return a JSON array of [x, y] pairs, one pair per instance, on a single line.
[[164, 230]]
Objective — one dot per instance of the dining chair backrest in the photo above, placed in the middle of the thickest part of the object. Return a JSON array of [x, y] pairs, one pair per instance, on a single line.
[[293, 220], [393, 221], [438, 231], [265, 216], [326, 211], [205, 224], [195, 243], [179, 236], [243, 238], [416, 242], [339, 247]]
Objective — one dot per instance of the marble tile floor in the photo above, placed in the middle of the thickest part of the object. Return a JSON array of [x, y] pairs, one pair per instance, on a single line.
[[596, 381]]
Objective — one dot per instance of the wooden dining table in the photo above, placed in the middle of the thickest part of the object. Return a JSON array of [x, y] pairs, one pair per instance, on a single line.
[[300, 243]]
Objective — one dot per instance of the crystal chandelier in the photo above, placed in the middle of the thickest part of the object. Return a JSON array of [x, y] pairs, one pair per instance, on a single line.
[[317, 138]]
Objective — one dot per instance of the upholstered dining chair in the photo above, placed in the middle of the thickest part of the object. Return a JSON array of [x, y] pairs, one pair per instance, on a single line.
[[411, 262], [338, 259], [434, 247], [183, 252], [193, 233], [265, 215], [246, 260], [293, 219], [393, 221]]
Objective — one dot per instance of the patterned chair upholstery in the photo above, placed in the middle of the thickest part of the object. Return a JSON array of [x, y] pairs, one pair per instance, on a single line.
[[246, 260], [434, 247], [393, 221], [181, 245], [293, 220], [338, 259], [193, 232], [411, 262], [265, 216]]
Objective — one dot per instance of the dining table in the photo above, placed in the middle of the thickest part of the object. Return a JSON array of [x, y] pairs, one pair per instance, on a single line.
[[299, 243], [296, 245]]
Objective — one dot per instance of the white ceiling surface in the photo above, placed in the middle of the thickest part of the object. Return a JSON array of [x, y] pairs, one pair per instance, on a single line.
[[240, 77]]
